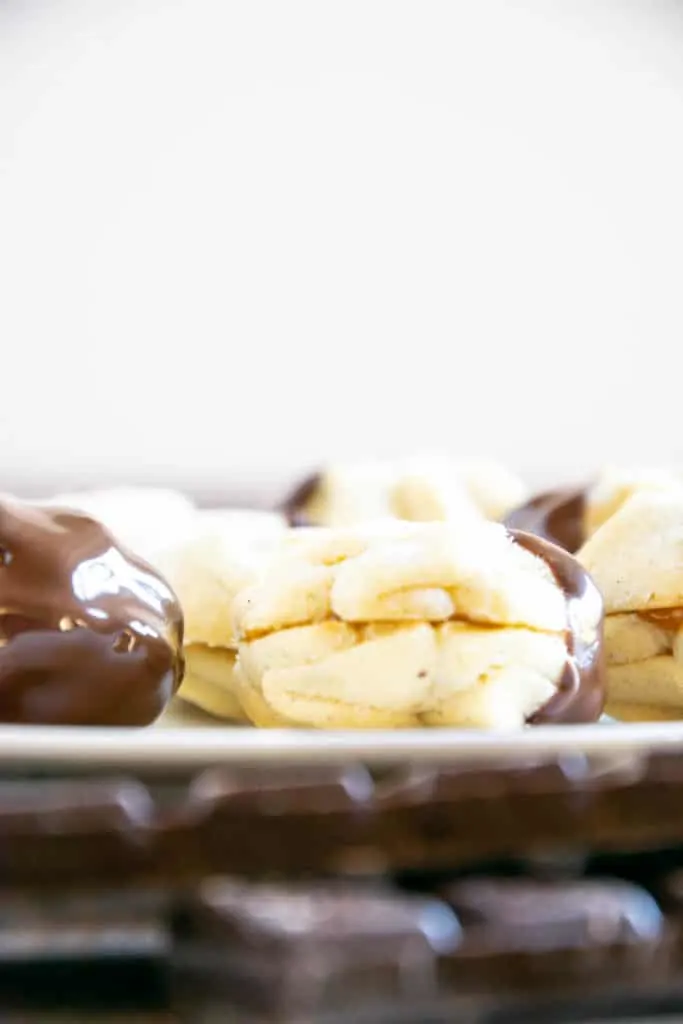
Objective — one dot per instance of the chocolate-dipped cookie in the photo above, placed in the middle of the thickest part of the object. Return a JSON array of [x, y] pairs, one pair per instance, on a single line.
[[636, 558], [422, 489], [403, 624], [568, 516], [89, 633]]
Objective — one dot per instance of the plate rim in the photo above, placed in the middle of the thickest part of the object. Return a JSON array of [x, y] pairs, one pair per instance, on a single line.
[[175, 747]]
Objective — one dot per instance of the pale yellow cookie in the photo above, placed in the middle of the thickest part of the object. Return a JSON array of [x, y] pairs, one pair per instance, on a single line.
[[421, 489], [217, 555], [209, 682], [351, 493], [392, 625], [441, 488], [630, 639], [636, 559], [615, 485]]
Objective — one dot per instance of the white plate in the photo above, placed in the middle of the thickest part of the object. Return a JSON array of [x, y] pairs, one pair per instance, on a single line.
[[188, 739]]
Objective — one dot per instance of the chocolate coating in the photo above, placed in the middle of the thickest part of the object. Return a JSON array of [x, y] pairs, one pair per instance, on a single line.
[[557, 516], [359, 920], [89, 633], [313, 951], [293, 508], [580, 695], [523, 913]]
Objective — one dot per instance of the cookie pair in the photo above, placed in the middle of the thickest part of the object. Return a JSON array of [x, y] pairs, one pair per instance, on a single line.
[[388, 625], [636, 559]]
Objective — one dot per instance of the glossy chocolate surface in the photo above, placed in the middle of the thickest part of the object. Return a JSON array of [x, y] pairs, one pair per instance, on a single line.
[[89, 633], [557, 516], [255, 953], [270, 823], [372, 953], [581, 691], [525, 913], [335, 914]]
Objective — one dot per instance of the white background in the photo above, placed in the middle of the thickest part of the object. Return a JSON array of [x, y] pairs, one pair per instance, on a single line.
[[239, 237]]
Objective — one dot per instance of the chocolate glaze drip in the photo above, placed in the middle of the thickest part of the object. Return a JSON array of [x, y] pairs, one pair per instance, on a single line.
[[580, 694], [293, 508], [557, 516], [89, 633]]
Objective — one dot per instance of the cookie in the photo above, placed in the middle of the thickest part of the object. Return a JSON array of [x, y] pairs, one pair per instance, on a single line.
[[419, 489], [568, 516], [615, 485], [210, 682], [395, 624], [636, 559], [208, 563]]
